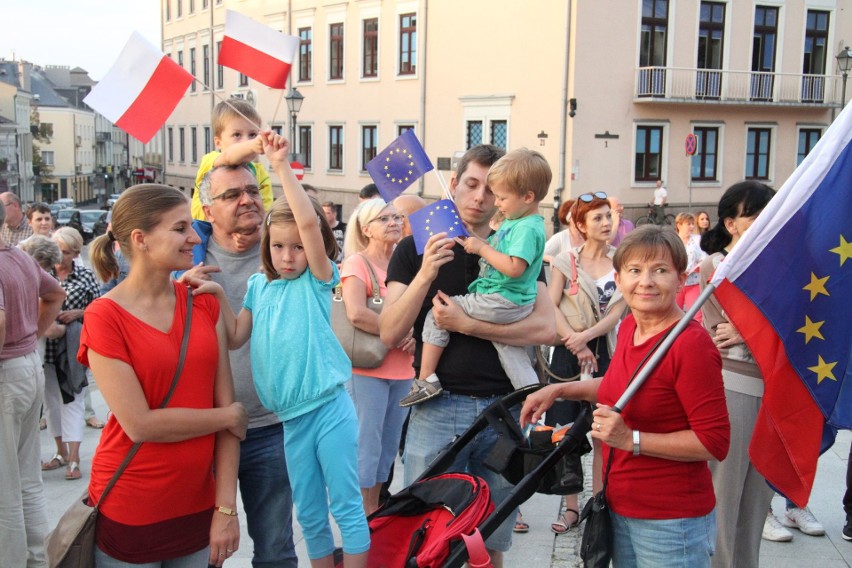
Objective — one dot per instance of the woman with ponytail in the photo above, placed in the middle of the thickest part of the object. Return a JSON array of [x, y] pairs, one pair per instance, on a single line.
[[742, 494]]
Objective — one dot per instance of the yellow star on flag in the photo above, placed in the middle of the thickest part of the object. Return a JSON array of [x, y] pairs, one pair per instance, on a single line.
[[811, 329], [823, 370], [816, 286], [844, 250]]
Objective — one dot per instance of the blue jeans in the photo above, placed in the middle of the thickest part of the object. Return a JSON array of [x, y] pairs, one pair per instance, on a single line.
[[195, 560], [434, 424], [652, 543], [267, 498]]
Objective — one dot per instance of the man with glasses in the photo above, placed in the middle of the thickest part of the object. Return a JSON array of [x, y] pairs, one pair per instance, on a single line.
[[470, 369], [229, 253], [16, 228]]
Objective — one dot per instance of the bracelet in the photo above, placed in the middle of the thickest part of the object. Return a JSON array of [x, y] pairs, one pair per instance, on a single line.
[[636, 450], [226, 511]]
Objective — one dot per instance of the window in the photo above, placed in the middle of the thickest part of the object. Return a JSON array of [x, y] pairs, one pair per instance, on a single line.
[[757, 153], [335, 51], [205, 73], [192, 68], [243, 80], [403, 128], [191, 6], [305, 145], [649, 153], [474, 133], [208, 147], [499, 133], [168, 10], [808, 137], [368, 144], [370, 59], [704, 162], [193, 141], [335, 148], [277, 129], [179, 8], [47, 158], [204, 4], [763, 53], [652, 48], [220, 71], [711, 37], [304, 54], [180, 58], [182, 144], [816, 41], [171, 137], [407, 44]]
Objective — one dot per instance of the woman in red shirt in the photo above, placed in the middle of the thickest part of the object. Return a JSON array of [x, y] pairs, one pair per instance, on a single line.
[[659, 487], [166, 508]]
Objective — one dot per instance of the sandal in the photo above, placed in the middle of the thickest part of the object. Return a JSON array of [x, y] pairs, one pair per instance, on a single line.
[[562, 526], [94, 422], [73, 472], [55, 462], [520, 525]]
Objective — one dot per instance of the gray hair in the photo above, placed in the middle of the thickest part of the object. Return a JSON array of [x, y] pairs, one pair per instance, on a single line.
[[70, 237], [205, 186], [43, 249]]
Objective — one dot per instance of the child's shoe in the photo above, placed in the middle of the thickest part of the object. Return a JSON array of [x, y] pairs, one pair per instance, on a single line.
[[422, 390]]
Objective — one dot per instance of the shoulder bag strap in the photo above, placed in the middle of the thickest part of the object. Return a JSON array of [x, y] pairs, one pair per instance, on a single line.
[[374, 280], [183, 346]]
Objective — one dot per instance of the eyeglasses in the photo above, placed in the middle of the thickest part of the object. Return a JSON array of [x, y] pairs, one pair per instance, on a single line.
[[233, 195], [385, 219], [589, 197]]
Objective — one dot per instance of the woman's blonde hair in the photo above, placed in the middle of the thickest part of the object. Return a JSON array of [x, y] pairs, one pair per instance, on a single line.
[[70, 237], [139, 207], [281, 213], [354, 241]]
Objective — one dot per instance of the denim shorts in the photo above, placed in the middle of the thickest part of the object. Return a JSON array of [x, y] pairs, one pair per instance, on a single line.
[[650, 543], [434, 424]]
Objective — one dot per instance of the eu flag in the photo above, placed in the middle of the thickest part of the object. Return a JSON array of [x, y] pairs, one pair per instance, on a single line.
[[399, 165], [440, 217], [789, 291]]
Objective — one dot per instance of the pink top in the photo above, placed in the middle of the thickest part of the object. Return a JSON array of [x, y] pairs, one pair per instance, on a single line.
[[397, 364]]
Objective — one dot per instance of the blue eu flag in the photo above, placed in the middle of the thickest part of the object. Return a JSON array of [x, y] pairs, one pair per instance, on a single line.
[[399, 165], [440, 217]]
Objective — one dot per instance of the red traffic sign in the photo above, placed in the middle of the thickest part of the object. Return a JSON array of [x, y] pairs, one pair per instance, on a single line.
[[298, 169], [691, 144]]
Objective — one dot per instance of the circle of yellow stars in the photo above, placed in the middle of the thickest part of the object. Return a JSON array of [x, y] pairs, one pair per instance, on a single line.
[[811, 330], [453, 229], [406, 155]]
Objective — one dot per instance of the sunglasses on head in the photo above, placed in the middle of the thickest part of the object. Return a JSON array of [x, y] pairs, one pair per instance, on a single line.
[[589, 197]]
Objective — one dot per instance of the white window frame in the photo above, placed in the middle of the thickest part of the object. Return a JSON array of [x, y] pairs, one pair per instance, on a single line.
[[487, 108]]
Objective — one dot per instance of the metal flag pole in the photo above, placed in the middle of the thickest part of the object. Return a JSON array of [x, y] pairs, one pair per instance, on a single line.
[[443, 184]]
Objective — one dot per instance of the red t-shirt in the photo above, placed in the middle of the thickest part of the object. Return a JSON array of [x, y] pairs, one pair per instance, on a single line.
[[684, 392], [161, 506]]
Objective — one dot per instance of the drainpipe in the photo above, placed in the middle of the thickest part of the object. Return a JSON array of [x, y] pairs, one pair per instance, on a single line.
[[422, 65], [563, 142]]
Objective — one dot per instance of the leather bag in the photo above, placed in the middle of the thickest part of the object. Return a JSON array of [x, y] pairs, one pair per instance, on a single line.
[[575, 304], [365, 350], [72, 543]]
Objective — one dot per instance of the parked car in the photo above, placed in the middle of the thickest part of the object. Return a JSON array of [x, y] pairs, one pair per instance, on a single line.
[[94, 224], [65, 203], [54, 210], [70, 218], [113, 197]]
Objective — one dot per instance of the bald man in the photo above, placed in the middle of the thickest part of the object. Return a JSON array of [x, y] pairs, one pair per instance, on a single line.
[[408, 204]]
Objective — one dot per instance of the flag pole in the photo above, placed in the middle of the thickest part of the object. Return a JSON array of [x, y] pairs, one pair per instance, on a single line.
[[443, 183], [661, 351], [275, 114], [228, 103]]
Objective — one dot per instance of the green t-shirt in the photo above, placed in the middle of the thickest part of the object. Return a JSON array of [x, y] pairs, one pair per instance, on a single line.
[[522, 238]]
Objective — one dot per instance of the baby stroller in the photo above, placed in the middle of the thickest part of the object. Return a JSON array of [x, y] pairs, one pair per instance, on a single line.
[[441, 519]]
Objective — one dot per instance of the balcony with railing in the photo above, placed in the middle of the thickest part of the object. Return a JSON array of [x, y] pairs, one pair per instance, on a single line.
[[689, 85], [102, 136]]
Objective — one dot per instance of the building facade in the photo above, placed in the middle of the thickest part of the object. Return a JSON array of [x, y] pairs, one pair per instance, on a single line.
[[607, 90]]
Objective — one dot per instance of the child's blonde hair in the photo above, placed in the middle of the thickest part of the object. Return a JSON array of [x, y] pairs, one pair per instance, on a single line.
[[522, 170], [281, 213], [226, 111]]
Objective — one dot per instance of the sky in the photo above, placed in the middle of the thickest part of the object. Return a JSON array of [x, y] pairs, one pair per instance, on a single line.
[[84, 33]]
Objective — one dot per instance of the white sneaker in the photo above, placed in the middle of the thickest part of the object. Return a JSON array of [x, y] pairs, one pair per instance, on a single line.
[[803, 520], [774, 531]]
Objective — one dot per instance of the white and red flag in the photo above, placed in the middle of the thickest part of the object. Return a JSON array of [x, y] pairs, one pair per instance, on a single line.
[[141, 89], [256, 50]]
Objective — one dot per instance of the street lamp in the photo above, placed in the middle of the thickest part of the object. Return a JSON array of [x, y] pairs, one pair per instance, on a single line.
[[844, 63], [294, 104]]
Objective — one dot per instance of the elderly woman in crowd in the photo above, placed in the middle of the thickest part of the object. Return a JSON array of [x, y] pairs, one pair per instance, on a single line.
[[659, 488], [371, 235], [65, 378], [685, 227]]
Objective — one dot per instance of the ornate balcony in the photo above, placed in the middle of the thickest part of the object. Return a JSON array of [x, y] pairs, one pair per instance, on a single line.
[[684, 85]]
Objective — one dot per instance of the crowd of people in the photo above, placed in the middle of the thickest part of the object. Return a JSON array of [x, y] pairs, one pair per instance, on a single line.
[[206, 326]]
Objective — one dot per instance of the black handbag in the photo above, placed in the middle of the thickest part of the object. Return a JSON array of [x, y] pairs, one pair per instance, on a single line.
[[72, 543]]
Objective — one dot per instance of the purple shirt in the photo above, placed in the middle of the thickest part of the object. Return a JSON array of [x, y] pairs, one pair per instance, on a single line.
[[624, 227]]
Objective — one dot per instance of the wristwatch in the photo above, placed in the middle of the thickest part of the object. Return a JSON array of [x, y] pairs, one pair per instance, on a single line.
[[636, 442], [231, 512]]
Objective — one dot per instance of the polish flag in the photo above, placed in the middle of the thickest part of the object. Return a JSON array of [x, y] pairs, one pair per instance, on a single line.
[[141, 89], [256, 50]]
